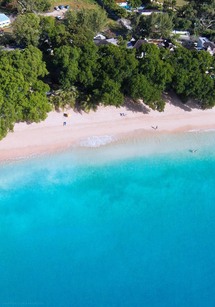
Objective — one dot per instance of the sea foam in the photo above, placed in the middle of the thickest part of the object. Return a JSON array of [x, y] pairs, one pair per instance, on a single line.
[[97, 141]]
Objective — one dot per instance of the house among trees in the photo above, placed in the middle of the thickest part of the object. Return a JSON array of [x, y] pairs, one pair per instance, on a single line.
[[105, 41], [139, 43], [4, 21], [146, 12], [210, 47], [201, 42], [122, 3], [99, 36], [182, 35], [205, 44]]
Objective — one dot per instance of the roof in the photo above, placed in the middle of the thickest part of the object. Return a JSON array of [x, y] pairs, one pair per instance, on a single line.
[[148, 12], [139, 43], [204, 39], [112, 41], [99, 36], [3, 17], [209, 44], [182, 35], [100, 42], [181, 32], [203, 42], [126, 23]]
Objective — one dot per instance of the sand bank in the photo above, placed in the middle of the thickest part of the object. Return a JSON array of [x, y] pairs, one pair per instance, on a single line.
[[101, 127]]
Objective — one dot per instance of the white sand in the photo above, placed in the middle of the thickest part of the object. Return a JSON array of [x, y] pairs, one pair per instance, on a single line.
[[100, 127]]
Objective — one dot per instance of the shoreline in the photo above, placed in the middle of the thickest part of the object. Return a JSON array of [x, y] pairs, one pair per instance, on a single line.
[[106, 125]]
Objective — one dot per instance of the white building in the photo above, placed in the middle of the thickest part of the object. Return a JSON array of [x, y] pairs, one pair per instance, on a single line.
[[183, 35], [202, 41], [126, 23], [4, 21], [149, 12], [99, 36], [205, 44], [122, 4]]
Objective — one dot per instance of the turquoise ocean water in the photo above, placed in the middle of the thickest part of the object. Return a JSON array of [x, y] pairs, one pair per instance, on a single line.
[[127, 224]]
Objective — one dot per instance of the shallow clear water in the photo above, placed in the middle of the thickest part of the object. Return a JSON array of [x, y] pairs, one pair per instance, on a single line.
[[129, 224]]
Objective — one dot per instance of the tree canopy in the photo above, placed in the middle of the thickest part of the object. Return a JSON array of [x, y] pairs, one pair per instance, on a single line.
[[194, 76], [26, 29], [28, 5], [66, 60], [84, 24], [87, 75], [154, 25], [22, 92]]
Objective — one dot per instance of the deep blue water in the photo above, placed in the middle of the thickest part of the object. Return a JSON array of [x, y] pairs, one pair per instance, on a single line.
[[114, 226]]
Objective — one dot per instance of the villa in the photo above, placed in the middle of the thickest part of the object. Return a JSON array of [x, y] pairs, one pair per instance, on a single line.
[[204, 44], [4, 21], [183, 35]]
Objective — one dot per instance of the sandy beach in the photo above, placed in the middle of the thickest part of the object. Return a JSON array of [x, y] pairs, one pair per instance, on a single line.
[[100, 127]]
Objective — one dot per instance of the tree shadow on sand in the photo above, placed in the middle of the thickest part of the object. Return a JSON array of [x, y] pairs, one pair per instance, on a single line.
[[175, 100], [136, 106]]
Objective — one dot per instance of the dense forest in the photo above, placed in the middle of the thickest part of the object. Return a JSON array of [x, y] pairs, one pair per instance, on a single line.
[[27, 5], [57, 63]]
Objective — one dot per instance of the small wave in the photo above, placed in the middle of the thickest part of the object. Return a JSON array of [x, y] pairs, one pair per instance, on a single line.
[[208, 130], [97, 141], [202, 130]]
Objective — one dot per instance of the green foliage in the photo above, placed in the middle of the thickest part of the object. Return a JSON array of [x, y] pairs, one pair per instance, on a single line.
[[169, 5], [90, 75], [101, 74], [66, 60], [32, 64], [109, 93], [64, 98], [193, 76], [32, 5], [155, 67], [141, 88], [27, 5], [116, 66], [84, 24], [113, 9], [154, 74], [161, 24], [53, 32], [22, 93], [105, 74], [210, 34], [88, 64], [182, 23], [47, 26], [135, 3], [115, 62], [200, 13], [87, 102], [154, 25], [61, 36], [26, 29]]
